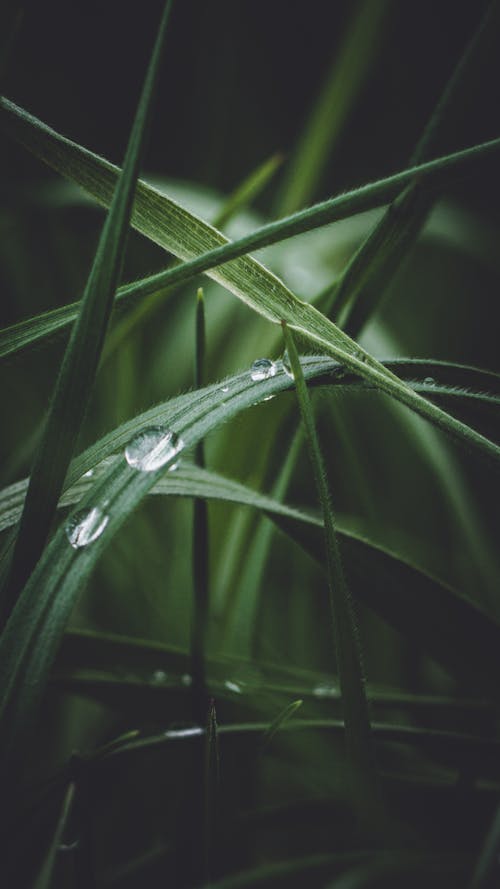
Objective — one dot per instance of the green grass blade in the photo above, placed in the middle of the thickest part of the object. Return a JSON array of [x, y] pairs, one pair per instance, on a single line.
[[279, 722], [345, 630], [79, 366], [211, 790], [249, 189], [345, 80], [200, 540]]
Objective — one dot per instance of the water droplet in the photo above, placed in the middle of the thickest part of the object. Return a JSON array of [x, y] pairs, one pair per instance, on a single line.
[[233, 686], [186, 679], [152, 448], [429, 381], [68, 847], [85, 526], [159, 677], [193, 732], [325, 690], [269, 398], [88, 474], [174, 466], [287, 367], [263, 369]]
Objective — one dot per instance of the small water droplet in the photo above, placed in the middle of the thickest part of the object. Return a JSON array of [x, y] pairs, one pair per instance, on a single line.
[[225, 389], [193, 732], [152, 448], [287, 367], [85, 526], [159, 677], [429, 381], [68, 847], [186, 679], [88, 474], [263, 369], [325, 690], [269, 398], [233, 686]]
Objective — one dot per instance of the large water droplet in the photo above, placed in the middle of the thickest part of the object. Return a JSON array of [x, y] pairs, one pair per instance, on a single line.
[[85, 526], [263, 369], [152, 448], [287, 367], [225, 389], [429, 381], [88, 474], [233, 686]]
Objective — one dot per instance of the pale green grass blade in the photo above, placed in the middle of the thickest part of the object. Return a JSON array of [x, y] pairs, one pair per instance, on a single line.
[[345, 629], [186, 236], [249, 189], [345, 80], [79, 366], [279, 722]]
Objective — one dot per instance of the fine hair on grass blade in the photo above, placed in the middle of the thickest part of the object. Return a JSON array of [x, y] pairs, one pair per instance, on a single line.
[[200, 541], [359, 743], [79, 366]]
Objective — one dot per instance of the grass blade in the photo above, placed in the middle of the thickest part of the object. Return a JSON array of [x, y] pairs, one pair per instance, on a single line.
[[200, 541], [484, 873], [80, 362], [279, 722], [345, 630], [211, 790], [44, 879]]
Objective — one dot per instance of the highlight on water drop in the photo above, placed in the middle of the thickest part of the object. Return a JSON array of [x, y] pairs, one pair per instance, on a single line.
[[85, 526], [263, 369], [152, 448]]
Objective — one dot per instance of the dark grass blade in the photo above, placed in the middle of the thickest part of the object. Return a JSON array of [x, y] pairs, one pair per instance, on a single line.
[[45, 876], [200, 541], [211, 790], [345, 630], [364, 283], [80, 362]]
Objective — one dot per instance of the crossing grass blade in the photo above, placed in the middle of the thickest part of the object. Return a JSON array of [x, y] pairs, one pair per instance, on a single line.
[[279, 722], [79, 366], [345, 630]]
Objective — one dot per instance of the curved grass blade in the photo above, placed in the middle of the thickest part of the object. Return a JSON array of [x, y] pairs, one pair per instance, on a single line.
[[279, 722], [44, 879], [345, 630], [32, 635], [80, 362]]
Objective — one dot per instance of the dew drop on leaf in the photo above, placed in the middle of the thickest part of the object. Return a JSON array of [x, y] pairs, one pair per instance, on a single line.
[[263, 369], [152, 448], [85, 526]]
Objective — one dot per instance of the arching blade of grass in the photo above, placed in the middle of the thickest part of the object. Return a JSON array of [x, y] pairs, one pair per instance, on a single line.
[[365, 281], [279, 722], [344, 82], [186, 236], [79, 365], [345, 630], [35, 627], [457, 385]]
